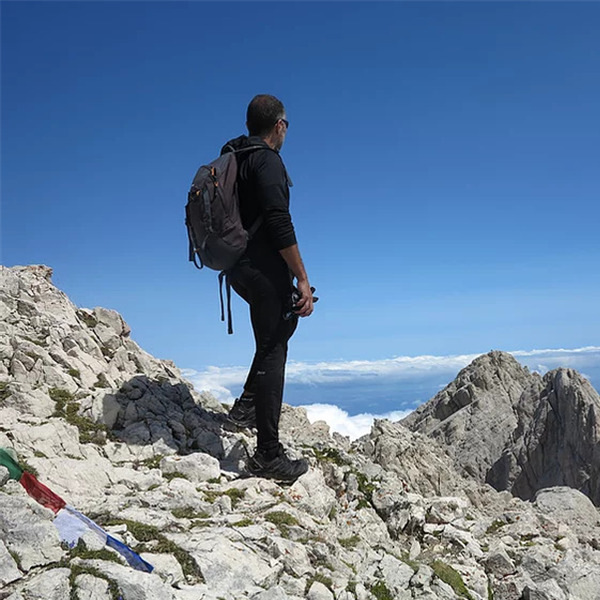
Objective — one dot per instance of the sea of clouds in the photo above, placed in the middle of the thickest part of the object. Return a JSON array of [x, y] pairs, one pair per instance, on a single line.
[[349, 395]]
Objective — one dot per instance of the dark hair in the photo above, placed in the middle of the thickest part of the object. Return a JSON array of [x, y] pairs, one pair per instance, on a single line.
[[263, 113]]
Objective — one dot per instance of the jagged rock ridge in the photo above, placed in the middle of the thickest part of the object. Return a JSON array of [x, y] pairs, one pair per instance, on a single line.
[[517, 430], [125, 439]]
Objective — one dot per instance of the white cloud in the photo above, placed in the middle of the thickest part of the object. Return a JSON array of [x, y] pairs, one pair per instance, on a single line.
[[226, 382], [222, 379], [219, 379], [339, 420]]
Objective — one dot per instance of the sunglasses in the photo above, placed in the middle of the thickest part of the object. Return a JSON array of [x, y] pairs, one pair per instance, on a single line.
[[287, 123]]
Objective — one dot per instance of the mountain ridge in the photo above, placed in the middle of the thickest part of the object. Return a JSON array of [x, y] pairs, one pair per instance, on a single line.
[[515, 429]]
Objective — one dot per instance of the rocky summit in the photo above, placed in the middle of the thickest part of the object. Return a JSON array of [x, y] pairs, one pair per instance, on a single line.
[[516, 430], [411, 511]]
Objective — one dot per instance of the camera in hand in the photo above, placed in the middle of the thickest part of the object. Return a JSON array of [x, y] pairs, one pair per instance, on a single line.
[[296, 295]]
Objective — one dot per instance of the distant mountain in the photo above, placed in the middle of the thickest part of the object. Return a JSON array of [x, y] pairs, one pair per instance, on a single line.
[[516, 430], [124, 440]]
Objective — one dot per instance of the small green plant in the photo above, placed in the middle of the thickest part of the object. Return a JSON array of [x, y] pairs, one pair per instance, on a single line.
[[17, 558], [154, 541], [41, 343], [330, 455], [67, 408], [452, 577], [4, 391], [82, 551], [283, 521], [490, 591], [413, 564], [214, 480], [349, 542], [495, 526], [152, 462], [366, 487], [74, 373], [351, 587], [243, 523], [141, 531], [88, 319], [185, 559], [61, 398], [210, 495], [280, 517], [381, 592], [176, 475], [102, 381], [236, 495], [27, 467], [188, 512], [76, 570]]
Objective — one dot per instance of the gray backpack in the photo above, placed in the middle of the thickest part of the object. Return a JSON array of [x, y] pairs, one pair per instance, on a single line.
[[216, 235]]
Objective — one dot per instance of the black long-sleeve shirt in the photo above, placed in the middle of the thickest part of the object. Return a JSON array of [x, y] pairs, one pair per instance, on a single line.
[[263, 190]]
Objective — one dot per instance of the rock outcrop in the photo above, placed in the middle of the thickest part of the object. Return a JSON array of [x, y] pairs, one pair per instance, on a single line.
[[516, 430], [125, 439]]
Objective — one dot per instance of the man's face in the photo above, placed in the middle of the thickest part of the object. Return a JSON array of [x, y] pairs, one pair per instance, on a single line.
[[281, 128]]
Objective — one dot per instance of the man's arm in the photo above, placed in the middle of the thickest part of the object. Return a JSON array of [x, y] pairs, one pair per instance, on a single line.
[[292, 257]]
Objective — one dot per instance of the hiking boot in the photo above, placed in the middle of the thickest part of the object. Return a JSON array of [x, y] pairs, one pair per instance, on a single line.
[[243, 413], [279, 468]]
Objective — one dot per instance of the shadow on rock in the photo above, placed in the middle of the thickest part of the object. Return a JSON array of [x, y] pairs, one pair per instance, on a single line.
[[173, 418]]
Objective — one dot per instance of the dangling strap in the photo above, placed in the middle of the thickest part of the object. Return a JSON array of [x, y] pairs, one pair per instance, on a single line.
[[193, 256], [224, 275]]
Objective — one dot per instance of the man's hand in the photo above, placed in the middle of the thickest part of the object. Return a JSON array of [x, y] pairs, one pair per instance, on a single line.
[[304, 306]]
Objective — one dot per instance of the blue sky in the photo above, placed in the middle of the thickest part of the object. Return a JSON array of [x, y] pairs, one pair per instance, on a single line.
[[444, 155]]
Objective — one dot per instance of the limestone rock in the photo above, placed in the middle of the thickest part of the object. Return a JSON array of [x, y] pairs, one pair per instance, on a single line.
[[516, 430], [474, 416], [556, 441], [92, 588], [4, 475], [48, 585], [9, 570], [27, 531], [196, 467], [318, 591], [133, 585]]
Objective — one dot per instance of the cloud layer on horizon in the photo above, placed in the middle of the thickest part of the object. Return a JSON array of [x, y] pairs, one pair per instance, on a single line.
[[221, 381]]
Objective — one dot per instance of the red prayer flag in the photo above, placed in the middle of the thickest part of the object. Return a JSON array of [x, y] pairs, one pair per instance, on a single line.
[[38, 491]]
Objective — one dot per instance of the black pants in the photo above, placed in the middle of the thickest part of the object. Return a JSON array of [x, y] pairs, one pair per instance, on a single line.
[[268, 290]]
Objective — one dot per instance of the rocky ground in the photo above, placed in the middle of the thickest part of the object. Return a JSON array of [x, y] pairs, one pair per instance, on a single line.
[[122, 437]]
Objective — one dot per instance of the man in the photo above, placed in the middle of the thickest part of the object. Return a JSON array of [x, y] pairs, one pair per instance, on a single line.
[[264, 279]]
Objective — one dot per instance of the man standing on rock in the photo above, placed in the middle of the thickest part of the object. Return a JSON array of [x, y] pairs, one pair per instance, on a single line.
[[264, 279]]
